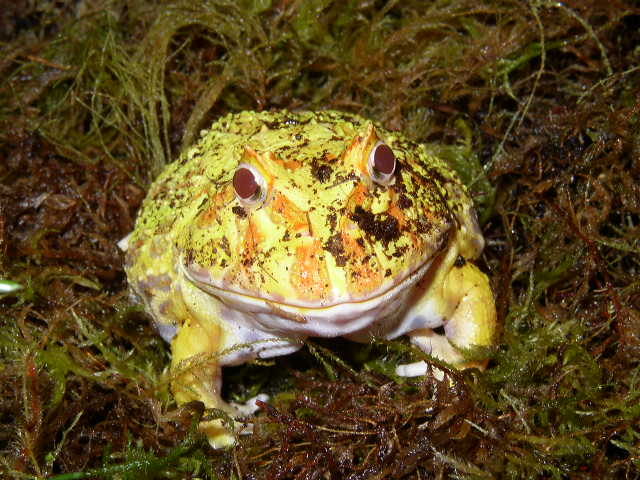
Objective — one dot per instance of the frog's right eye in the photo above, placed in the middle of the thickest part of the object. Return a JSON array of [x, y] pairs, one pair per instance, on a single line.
[[249, 185], [382, 164]]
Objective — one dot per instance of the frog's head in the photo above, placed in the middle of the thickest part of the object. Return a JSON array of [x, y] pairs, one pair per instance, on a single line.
[[309, 210]]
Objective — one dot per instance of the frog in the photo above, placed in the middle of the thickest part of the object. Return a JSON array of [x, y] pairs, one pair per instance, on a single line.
[[277, 226]]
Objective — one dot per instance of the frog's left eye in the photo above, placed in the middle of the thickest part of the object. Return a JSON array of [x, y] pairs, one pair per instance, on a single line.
[[382, 163], [249, 185]]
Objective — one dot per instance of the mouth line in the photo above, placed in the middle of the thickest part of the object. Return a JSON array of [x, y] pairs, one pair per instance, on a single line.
[[408, 278]]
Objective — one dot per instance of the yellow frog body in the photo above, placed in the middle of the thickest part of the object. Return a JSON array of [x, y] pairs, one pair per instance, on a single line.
[[278, 226]]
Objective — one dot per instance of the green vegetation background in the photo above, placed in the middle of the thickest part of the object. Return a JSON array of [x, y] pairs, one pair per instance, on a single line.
[[535, 102]]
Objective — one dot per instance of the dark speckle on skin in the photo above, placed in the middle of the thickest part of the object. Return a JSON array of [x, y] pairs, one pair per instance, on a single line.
[[345, 178], [400, 252], [239, 211], [224, 243], [404, 202], [322, 173], [333, 220], [335, 247], [189, 257], [423, 225], [382, 227]]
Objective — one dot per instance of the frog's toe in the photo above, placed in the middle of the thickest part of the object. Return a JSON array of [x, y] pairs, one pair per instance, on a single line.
[[415, 369], [250, 406], [436, 345], [418, 369], [217, 433]]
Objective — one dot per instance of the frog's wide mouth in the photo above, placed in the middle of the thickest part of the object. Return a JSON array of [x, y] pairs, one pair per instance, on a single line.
[[402, 282], [344, 316]]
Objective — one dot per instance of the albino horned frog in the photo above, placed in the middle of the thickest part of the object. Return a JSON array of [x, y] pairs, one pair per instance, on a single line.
[[278, 226]]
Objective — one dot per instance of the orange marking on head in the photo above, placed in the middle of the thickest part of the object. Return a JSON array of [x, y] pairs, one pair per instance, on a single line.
[[309, 273], [216, 202], [252, 240], [398, 214], [358, 150], [357, 196], [289, 164], [364, 274], [261, 161], [284, 211]]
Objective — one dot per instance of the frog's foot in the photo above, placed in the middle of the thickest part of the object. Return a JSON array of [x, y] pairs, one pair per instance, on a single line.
[[222, 435], [472, 322], [250, 406], [197, 375], [436, 345], [218, 433]]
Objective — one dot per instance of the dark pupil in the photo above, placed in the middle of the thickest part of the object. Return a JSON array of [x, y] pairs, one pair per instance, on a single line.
[[384, 160], [245, 183]]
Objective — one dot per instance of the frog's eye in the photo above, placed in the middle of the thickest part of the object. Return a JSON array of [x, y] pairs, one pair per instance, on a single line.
[[249, 185], [382, 163]]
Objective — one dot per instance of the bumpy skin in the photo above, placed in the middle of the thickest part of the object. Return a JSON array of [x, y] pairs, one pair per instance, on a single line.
[[329, 252]]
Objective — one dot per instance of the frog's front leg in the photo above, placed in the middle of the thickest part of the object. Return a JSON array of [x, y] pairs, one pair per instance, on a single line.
[[213, 335], [465, 309], [197, 374]]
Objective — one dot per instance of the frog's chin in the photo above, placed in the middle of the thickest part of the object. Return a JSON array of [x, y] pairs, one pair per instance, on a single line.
[[327, 320]]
